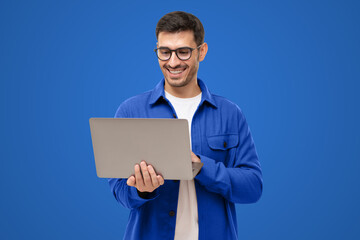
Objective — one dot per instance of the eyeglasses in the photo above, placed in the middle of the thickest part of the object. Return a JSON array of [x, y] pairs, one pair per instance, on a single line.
[[183, 53]]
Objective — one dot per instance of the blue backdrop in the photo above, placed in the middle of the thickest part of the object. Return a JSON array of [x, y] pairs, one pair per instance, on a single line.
[[292, 66]]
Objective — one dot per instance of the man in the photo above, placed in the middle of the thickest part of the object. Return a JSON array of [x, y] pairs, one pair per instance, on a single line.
[[220, 138]]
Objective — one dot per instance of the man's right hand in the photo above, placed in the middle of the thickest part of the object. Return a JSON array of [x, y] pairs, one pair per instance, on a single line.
[[145, 179]]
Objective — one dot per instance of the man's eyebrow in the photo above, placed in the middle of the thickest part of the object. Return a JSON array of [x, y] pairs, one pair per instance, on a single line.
[[175, 48]]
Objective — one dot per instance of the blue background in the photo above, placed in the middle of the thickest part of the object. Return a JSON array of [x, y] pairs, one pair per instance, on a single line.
[[292, 66]]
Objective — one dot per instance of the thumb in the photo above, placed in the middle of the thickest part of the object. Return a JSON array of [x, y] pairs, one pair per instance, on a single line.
[[131, 181]]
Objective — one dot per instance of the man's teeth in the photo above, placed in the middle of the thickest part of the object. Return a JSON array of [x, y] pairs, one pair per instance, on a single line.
[[176, 72]]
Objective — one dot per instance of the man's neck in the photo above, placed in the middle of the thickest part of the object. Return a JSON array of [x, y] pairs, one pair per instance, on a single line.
[[192, 89]]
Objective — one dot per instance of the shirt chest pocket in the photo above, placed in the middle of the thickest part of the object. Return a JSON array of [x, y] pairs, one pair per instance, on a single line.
[[221, 146]]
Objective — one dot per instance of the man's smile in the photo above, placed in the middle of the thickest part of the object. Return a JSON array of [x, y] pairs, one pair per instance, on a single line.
[[176, 71]]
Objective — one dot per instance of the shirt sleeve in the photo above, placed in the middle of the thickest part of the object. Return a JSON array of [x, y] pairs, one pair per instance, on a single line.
[[241, 181], [126, 195]]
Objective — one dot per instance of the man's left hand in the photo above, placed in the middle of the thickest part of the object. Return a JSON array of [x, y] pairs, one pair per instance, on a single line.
[[194, 158]]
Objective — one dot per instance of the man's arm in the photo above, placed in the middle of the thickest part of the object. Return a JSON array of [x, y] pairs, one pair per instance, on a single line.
[[241, 181]]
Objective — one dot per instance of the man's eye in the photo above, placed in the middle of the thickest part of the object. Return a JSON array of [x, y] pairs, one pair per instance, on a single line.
[[184, 52], [164, 51]]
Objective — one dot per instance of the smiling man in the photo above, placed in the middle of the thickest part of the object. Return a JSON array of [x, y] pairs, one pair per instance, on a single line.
[[203, 208]]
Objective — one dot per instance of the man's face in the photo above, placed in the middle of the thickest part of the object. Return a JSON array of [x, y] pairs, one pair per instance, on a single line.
[[179, 73]]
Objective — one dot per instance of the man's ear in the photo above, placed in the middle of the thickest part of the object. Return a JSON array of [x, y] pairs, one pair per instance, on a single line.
[[203, 50]]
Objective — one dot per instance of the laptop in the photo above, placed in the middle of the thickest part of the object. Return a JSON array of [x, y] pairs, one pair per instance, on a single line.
[[120, 143]]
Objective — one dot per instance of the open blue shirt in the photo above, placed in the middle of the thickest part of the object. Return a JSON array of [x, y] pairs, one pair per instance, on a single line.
[[231, 173]]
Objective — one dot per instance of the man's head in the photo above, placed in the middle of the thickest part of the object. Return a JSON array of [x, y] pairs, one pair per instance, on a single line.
[[181, 21], [184, 33]]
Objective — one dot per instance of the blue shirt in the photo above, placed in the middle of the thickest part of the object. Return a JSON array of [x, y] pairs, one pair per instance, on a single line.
[[231, 173]]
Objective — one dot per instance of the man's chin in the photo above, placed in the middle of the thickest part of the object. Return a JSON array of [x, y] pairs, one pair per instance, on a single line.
[[176, 82]]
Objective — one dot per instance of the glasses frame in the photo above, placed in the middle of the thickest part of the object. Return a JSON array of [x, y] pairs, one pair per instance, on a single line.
[[176, 52]]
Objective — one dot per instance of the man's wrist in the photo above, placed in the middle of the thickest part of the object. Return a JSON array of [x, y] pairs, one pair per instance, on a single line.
[[142, 194], [147, 195]]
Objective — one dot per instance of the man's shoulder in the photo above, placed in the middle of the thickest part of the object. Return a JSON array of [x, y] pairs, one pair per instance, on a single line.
[[132, 104], [225, 103], [138, 99]]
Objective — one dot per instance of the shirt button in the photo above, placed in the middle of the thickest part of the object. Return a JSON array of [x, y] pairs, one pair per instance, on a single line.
[[225, 144], [172, 213]]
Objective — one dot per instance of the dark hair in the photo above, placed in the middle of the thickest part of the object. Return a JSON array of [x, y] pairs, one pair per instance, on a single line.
[[179, 21]]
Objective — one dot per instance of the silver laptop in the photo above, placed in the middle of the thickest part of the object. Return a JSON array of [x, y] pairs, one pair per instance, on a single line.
[[120, 143]]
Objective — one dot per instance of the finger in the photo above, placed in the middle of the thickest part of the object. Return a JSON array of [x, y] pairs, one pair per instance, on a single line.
[[194, 158], [138, 177], [153, 177], [160, 179], [145, 173], [131, 181]]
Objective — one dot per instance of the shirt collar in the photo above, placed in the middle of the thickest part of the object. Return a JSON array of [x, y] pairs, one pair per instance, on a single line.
[[159, 93]]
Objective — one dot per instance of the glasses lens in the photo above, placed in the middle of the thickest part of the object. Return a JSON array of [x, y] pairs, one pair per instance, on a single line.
[[164, 53], [183, 53]]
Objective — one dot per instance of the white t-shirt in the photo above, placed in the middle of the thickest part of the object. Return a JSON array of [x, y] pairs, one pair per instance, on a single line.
[[187, 224]]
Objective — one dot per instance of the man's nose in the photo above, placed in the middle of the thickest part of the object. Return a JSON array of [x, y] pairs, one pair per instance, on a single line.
[[174, 61]]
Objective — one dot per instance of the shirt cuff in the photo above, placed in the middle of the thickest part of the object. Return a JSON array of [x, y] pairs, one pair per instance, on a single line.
[[208, 171], [148, 197]]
